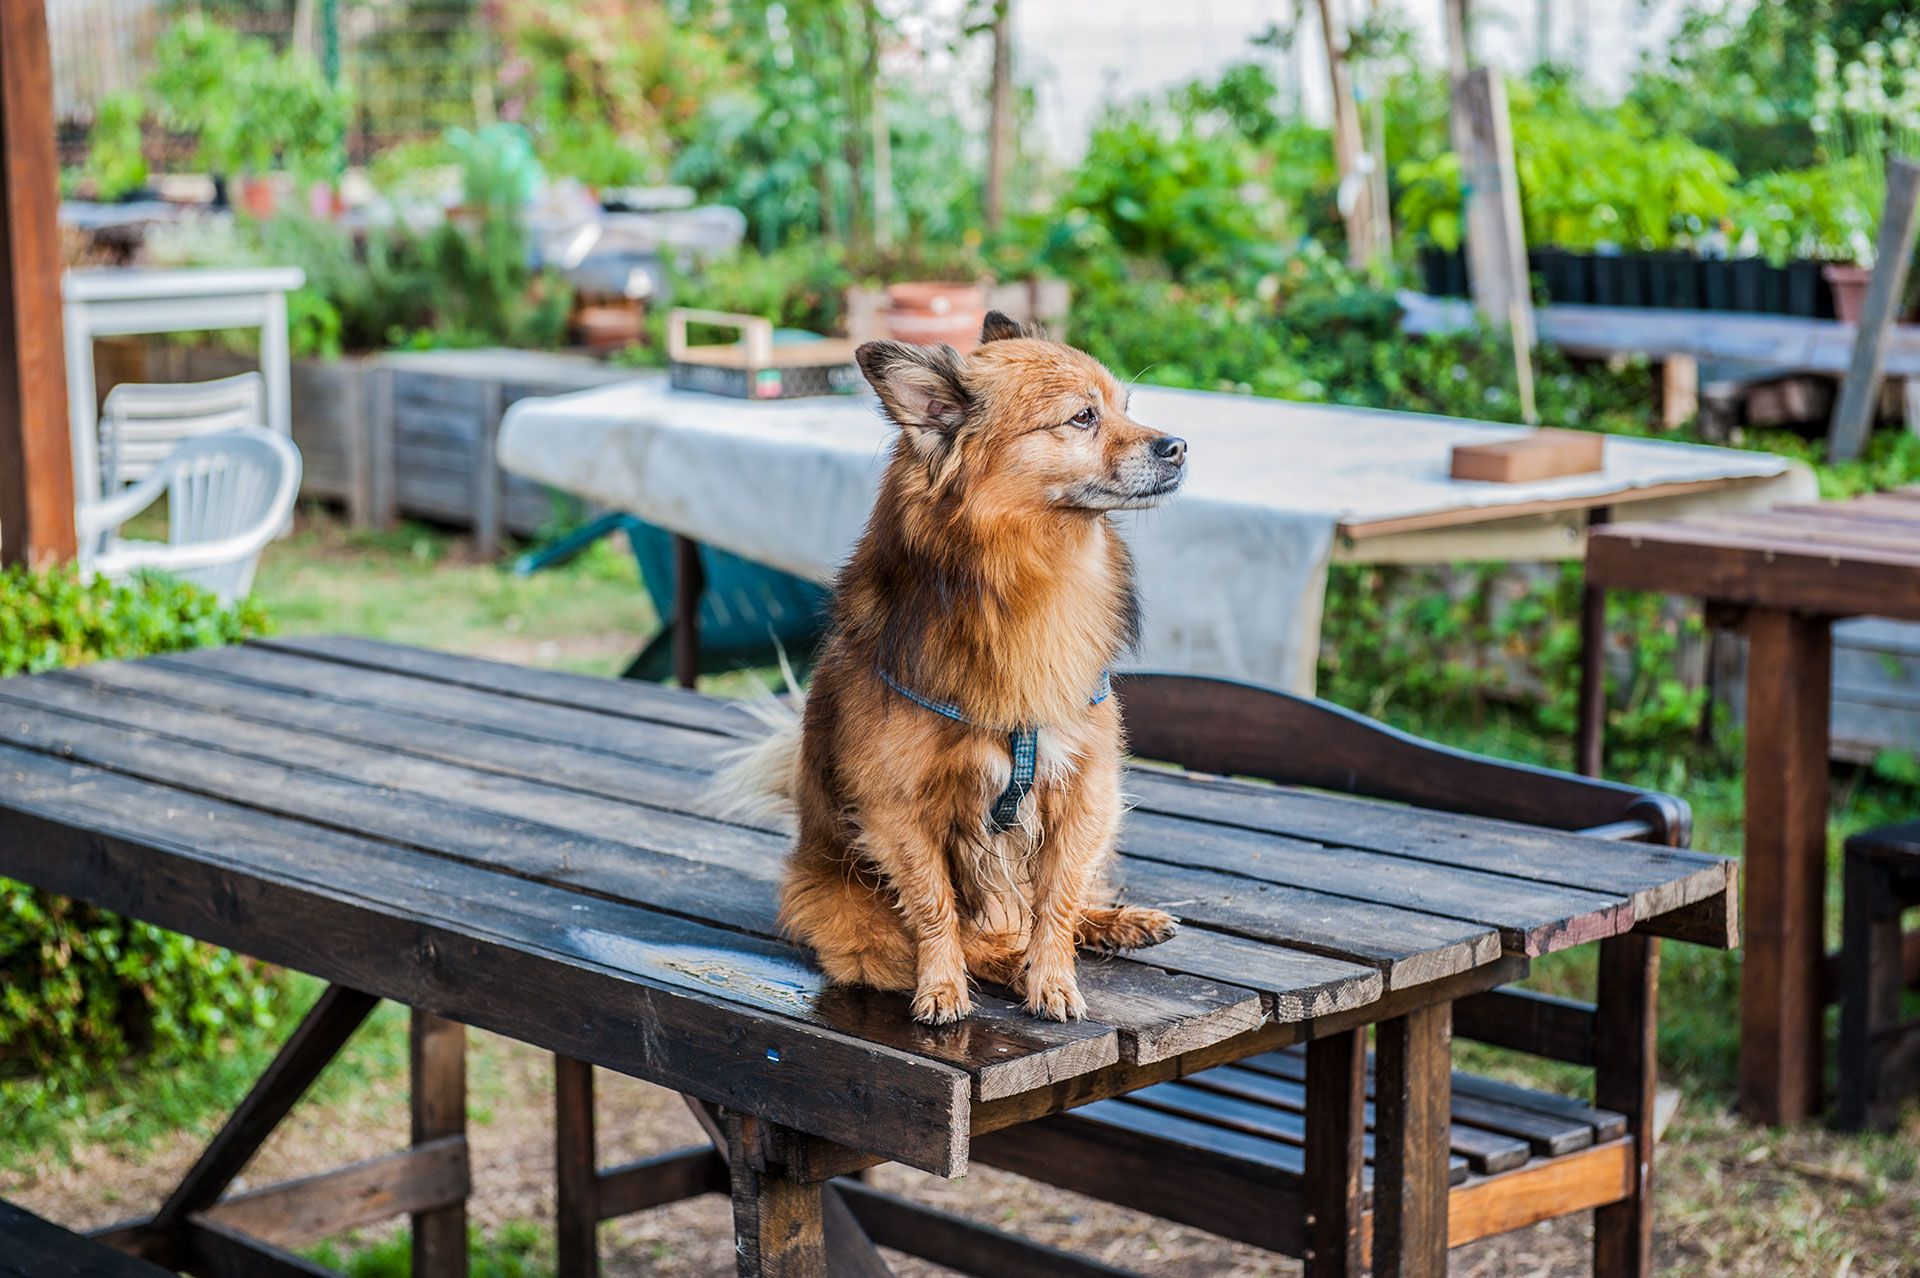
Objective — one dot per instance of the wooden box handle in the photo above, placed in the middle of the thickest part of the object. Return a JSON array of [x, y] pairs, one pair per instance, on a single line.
[[756, 332]]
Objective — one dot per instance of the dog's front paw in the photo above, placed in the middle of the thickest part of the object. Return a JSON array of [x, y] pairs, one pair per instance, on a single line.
[[1126, 927], [942, 1003], [1055, 997]]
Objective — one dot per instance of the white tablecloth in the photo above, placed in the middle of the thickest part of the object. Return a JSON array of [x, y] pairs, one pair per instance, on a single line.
[[1232, 571]]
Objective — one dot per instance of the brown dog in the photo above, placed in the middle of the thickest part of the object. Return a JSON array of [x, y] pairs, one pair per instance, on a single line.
[[956, 773]]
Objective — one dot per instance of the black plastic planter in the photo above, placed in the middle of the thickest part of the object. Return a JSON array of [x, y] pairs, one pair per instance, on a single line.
[[1669, 280]]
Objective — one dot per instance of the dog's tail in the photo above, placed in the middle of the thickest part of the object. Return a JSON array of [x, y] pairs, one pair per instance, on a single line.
[[762, 778]]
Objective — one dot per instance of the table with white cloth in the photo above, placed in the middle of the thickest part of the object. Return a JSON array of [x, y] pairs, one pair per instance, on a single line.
[[1232, 571]]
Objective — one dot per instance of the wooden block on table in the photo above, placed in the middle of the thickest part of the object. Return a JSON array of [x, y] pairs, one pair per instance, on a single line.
[[1544, 454]]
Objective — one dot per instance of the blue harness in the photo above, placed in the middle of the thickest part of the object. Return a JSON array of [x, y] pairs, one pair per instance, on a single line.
[[1022, 743]]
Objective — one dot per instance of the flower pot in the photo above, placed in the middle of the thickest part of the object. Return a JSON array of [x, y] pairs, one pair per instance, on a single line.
[[1674, 281], [931, 313], [1749, 283], [1849, 283], [1805, 291], [260, 196], [1609, 279], [1716, 284]]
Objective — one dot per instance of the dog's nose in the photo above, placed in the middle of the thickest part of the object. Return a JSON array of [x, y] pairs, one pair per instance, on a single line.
[[1170, 449]]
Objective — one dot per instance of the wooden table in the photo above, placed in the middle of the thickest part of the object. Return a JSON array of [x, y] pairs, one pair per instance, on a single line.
[[532, 853], [1783, 577]]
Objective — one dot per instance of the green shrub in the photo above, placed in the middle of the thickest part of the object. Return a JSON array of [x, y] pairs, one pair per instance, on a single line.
[[81, 988]]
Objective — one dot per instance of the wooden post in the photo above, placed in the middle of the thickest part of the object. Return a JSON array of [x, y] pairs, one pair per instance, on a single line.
[[1789, 670], [1860, 392], [439, 1059], [1000, 114], [1496, 238], [1349, 149], [882, 133], [1413, 1104], [36, 458], [1625, 1077], [1335, 1153], [778, 1230], [577, 1172]]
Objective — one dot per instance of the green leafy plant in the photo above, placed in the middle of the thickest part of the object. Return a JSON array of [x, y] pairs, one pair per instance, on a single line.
[[1811, 213], [116, 163], [251, 110], [81, 988], [1864, 113]]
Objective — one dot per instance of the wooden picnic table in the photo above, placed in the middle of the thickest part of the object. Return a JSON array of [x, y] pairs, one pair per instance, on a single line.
[[1783, 577], [534, 854]]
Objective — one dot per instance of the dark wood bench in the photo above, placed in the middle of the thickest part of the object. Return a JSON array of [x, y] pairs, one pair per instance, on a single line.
[[1879, 1051], [34, 1248], [1225, 1149]]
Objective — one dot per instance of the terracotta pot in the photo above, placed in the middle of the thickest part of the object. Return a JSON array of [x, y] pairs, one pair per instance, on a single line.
[[930, 313], [1849, 284], [260, 197]]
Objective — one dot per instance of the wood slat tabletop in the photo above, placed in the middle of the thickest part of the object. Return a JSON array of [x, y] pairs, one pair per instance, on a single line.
[[1834, 559], [537, 853]]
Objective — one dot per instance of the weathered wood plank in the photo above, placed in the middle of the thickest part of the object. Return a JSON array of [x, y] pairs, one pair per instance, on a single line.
[[1335, 1131], [1407, 947], [230, 876], [635, 699], [1533, 918], [1655, 879], [296, 1212], [437, 1051]]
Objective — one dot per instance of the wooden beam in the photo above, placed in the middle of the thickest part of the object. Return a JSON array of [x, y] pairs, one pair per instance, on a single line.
[[1413, 1094], [1860, 392], [1335, 1154], [295, 1212], [1349, 145], [1625, 1077], [576, 1173], [1496, 237], [36, 459]]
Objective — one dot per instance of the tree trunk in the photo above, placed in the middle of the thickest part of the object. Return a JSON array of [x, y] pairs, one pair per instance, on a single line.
[[1000, 115], [853, 64]]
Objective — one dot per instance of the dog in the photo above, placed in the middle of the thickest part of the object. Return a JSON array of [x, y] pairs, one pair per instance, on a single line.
[[955, 769]]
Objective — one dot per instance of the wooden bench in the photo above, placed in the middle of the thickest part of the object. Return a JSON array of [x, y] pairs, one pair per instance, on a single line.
[[1227, 1149], [1879, 1051], [34, 1248]]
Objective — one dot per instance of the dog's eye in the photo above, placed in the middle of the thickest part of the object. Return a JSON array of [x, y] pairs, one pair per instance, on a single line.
[[1085, 417]]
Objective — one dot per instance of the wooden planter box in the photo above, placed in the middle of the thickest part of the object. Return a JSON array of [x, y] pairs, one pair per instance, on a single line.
[[445, 416]]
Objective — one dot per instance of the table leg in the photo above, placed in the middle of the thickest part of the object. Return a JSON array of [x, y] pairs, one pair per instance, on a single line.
[[439, 1072], [577, 1189], [778, 1222], [1626, 1074], [1789, 680], [689, 583], [1590, 740], [1413, 1102], [1335, 1154]]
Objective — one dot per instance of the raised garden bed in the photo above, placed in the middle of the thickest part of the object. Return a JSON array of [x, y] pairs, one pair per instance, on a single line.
[[1675, 281]]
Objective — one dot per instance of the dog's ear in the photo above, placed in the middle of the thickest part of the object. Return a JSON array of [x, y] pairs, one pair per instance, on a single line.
[[921, 387], [1000, 326]]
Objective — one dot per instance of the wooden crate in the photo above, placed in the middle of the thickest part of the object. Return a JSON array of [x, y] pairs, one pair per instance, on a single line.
[[445, 416]]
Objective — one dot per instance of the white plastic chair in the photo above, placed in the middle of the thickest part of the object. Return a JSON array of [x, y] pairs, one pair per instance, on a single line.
[[227, 496], [140, 424]]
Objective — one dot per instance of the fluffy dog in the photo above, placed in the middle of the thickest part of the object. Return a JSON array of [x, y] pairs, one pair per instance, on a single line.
[[956, 770]]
